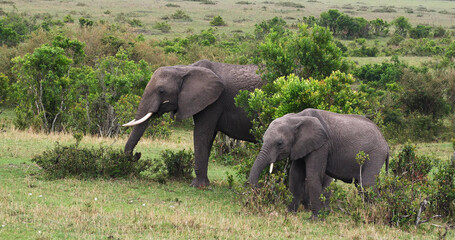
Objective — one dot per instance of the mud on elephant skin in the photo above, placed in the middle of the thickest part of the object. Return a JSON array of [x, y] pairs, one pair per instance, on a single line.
[[205, 91], [321, 145]]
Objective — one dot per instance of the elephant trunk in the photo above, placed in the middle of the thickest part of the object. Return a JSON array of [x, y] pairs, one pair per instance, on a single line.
[[261, 162], [136, 134]]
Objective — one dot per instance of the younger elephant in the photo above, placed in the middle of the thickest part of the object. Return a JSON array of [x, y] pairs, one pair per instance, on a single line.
[[321, 143]]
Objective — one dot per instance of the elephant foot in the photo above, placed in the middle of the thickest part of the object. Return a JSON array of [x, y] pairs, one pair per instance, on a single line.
[[314, 217], [200, 183], [293, 207]]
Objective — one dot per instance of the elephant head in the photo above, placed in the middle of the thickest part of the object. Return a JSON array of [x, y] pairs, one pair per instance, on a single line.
[[181, 90], [289, 136]]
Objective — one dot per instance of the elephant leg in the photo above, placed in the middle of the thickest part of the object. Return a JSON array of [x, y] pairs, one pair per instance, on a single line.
[[327, 194], [315, 173], [372, 168], [296, 184], [203, 136]]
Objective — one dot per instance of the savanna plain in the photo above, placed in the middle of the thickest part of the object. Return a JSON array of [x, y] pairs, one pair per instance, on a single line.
[[34, 207]]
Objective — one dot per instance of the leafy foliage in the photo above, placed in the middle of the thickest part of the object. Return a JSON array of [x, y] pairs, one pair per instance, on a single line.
[[218, 21], [309, 52], [42, 87], [4, 86], [410, 166], [293, 94], [105, 162], [67, 161], [272, 195], [175, 165], [407, 197]]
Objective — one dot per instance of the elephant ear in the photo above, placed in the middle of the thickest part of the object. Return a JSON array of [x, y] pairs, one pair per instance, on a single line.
[[200, 88], [310, 135]]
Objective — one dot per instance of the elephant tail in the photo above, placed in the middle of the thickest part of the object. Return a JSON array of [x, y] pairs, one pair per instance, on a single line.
[[387, 164]]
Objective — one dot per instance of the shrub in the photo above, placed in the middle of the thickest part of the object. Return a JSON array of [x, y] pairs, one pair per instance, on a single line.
[[293, 94], [290, 4], [67, 161], [85, 22], [172, 5], [424, 93], [420, 31], [162, 26], [307, 53], [42, 89], [181, 15], [402, 26], [68, 19], [217, 21], [410, 166], [229, 151], [175, 165], [439, 32], [396, 39], [443, 200], [271, 195], [105, 162], [4, 83], [135, 23], [275, 24]]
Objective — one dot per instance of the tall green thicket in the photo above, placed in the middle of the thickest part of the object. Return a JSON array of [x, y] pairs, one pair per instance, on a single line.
[[55, 91], [302, 70], [417, 189]]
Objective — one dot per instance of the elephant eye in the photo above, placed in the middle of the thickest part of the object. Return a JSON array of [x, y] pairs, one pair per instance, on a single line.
[[280, 142], [161, 91]]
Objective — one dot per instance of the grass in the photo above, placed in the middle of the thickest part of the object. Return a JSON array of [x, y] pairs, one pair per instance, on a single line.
[[151, 12], [32, 207]]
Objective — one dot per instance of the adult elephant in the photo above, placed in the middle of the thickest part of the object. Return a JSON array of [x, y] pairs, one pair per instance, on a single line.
[[321, 145], [204, 90]]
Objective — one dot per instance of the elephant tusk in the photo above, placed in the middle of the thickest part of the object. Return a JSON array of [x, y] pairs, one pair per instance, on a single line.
[[271, 168], [165, 102], [129, 123], [134, 122]]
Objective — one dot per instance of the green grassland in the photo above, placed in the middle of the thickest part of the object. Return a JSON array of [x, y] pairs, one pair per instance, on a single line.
[[239, 15], [32, 207], [35, 208]]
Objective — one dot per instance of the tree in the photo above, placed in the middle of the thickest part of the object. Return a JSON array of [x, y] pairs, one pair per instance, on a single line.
[[420, 31], [309, 52], [41, 88], [303, 69], [275, 24], [218, 21], [4, 82], [402, 26], [379, 27], [292, 94]]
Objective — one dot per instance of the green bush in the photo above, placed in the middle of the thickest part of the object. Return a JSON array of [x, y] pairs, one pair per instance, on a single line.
[[105, 162], [41, 91], [73, 161], [420, 31], [443, 200], [175, 165], [4, 86], [162, 26], [217, 21], [293, 94], [410, 166], [271, 195], [311, 52], [407, 197], [181, 15]]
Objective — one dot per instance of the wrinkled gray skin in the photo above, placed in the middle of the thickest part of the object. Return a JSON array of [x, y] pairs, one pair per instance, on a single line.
[[321, 143], [205, 91]]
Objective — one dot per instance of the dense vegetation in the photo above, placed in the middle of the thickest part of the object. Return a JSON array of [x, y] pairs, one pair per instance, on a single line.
[[86, 76]]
